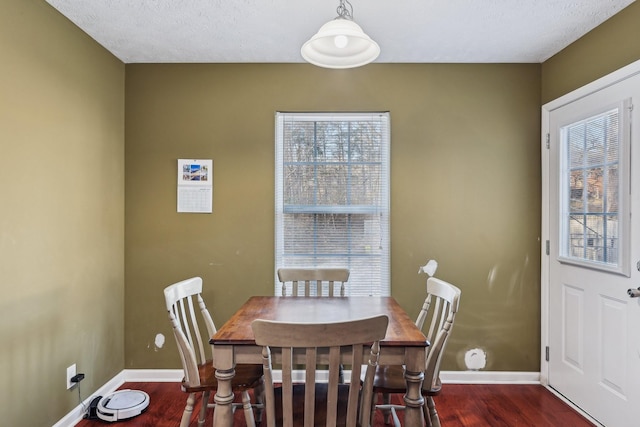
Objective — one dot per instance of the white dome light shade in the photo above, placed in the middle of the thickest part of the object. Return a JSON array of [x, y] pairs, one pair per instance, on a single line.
[[340, 43]]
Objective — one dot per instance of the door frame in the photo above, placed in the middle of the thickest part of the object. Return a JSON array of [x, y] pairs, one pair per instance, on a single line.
[[601, 83]]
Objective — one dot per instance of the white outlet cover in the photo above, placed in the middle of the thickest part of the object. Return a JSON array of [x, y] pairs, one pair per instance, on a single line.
[[71, 372]]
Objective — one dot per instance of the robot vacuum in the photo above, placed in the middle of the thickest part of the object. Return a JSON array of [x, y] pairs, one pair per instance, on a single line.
[[122, 405]]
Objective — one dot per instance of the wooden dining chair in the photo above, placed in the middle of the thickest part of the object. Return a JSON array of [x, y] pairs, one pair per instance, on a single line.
[[313, 281], [317, 282], [187, 310], [440, 306], [301, 345]]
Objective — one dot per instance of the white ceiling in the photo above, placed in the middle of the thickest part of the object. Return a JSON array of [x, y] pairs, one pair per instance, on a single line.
[[456, 31]]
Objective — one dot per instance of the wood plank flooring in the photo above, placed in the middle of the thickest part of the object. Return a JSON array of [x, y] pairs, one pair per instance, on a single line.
[[458, 405]]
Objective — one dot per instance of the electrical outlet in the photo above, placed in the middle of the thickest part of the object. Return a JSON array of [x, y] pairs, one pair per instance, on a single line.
[[71, 372]]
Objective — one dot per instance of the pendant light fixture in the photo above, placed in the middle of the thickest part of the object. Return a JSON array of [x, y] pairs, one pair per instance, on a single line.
[[340, 43]]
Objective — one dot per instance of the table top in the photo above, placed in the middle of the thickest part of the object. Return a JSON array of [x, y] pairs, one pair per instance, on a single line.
[[401, 332]]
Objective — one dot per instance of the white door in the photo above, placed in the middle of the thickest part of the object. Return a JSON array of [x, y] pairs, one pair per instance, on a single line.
[[594, 251]]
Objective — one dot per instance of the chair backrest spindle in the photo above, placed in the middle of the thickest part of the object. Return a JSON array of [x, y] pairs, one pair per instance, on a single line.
[[313, 281]]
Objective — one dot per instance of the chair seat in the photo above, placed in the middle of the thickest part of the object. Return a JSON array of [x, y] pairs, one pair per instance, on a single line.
[[320, 406], [390, 379], [246, 378]]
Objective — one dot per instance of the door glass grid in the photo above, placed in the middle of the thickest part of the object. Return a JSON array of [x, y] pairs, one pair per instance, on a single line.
[[591, 229]]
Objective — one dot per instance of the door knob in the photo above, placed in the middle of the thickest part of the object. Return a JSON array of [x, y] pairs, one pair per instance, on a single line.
[[634, 293]]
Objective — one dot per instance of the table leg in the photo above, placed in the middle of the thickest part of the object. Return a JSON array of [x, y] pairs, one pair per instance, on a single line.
[[414, 375], [225, 371]]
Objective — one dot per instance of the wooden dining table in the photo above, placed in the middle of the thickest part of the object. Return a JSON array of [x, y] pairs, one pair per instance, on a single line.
[[234, 342]]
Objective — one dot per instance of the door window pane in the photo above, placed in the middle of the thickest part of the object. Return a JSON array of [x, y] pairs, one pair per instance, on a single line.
[[592, 191]]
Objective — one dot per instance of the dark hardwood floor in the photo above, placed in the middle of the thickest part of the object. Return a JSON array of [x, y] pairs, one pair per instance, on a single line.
[[458, 405]]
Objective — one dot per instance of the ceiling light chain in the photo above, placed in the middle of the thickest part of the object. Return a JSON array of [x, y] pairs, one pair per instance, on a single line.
[[345, 10]]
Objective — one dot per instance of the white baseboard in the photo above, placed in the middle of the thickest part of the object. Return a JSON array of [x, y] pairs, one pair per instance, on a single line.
[[153, 375], [450, 377], [175, 375], [489, 377]]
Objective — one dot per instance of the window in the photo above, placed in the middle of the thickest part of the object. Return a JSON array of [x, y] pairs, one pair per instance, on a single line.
[[592, 190], [332, 195]]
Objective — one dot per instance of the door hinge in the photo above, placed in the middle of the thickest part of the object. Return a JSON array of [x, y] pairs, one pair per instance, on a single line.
[[548, 140], [546, 353], [547, 247]]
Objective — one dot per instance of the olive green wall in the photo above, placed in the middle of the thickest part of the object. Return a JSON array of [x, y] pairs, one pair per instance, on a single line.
[[62, 214], [607, 48], [465, 190]]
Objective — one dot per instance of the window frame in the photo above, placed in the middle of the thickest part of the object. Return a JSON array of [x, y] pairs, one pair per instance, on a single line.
[[623, 215]]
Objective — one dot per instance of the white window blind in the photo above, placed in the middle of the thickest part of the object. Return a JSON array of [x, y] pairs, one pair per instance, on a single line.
[[332, 196], [594, 208]]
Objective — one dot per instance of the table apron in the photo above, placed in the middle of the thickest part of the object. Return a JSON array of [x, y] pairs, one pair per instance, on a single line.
[[229, 355]]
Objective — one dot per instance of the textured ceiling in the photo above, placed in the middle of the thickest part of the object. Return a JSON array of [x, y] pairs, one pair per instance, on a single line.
[[208, 31]]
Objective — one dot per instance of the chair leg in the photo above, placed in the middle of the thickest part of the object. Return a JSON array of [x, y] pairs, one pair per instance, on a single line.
[[432, 419], [425, 413], [248, 410], [384, 407], [396, 420], [259, 401], [374, 402], [188, 410], [386, 400], [203, 408]]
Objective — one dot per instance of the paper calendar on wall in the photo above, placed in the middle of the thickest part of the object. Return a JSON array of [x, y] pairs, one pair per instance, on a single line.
[[195, 186]]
